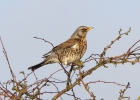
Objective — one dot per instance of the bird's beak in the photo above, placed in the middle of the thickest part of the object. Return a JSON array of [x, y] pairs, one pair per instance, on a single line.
[[90, 28]]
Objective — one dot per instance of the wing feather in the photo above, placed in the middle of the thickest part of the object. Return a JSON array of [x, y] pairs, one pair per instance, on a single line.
[[67, 44]]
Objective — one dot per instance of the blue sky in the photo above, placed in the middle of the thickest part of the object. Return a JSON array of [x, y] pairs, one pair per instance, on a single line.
[[55, 21]]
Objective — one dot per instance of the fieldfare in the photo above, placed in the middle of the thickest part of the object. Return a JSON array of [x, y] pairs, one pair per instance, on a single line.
[[67, 52]]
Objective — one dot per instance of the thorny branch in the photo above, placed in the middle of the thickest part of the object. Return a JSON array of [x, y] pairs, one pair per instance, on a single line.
[[112, 42], [107, 83], [5, 53], [122, 93], [86, 86]]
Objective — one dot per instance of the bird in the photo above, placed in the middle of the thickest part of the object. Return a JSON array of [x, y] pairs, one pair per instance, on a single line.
[[67, 52]]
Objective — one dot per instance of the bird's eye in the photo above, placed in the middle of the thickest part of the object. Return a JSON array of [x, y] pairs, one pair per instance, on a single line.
[[83, 29]]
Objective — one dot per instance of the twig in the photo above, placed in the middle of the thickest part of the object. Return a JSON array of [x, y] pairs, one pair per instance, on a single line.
[[4, 51], [112, 42], [45, 41], [86, 86], [123, 91], [107, 82]]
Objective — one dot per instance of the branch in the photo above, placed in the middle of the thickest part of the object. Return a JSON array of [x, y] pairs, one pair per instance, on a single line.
[[112, 42], [6, 56]]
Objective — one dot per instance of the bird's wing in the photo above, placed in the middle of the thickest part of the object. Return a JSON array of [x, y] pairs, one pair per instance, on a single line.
[[46, 54], [67, 44]]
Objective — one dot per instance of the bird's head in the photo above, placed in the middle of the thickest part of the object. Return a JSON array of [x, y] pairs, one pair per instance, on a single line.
[[81, 32]]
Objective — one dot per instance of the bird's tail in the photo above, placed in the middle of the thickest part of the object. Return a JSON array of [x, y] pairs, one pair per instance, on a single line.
[[37, 66]]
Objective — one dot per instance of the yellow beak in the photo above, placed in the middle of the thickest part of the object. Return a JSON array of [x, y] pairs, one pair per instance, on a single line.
[[90, 28]]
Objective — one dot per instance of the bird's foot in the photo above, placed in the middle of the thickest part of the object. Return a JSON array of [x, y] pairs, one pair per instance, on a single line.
[[79, 63]]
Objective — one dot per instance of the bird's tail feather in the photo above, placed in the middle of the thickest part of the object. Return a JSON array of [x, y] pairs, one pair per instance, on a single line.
[[36, 66]]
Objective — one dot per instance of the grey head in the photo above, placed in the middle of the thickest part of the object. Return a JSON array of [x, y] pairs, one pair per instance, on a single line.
[[81, 32]]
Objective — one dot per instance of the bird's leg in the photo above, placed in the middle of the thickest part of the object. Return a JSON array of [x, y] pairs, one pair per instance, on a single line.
[[68, 78], [78, 63]]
